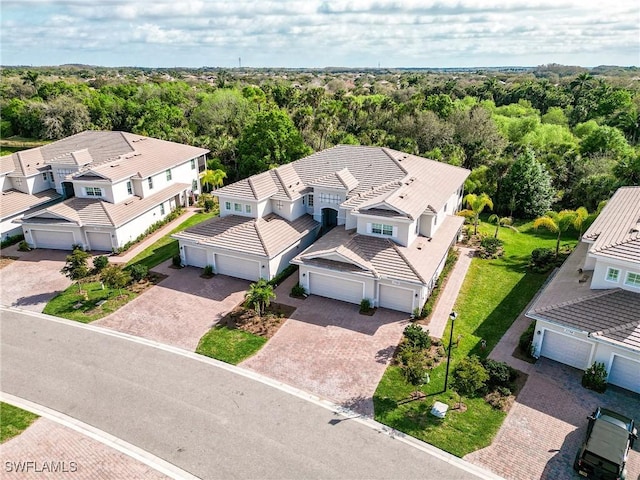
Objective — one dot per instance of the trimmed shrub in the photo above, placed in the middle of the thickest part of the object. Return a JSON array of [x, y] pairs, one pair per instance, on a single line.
[[417, 337], [99, 263], [76, 246], [490, 247], [10, 240], [595, 377], [208, 271], [542, 260], [365, 305], [24, 246], [500, 374], [176, 261], [298, 290], [526, 340], [138, 272]]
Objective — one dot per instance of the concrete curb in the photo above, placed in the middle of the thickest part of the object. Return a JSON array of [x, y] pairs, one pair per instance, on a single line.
[[101, 436], [328, 405]]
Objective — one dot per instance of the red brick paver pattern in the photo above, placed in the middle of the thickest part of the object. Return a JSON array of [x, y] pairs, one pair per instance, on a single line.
[[545, 427], [75, 456], [327, 348], [180, 309]]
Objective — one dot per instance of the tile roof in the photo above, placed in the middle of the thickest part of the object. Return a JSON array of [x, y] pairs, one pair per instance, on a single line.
[[94, 212], [267, 236], [14, 202], [381, 257], [568, 300], [616, 231]]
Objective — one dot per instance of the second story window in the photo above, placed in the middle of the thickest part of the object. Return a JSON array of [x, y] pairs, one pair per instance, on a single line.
[[168, 172], [381, 229], [613, 274], [193, 164], [247, 209], [227, 205], [633, 279], [129, 188], [310, 200], [237, 207], [329, 198], [150, 181], [93, 191]]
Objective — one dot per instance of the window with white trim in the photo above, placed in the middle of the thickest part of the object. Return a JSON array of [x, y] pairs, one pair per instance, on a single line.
[[632, 280], [329, 198], [63, 172], [247, 209], [237, 207], [150, 181], [168, 173], [194, 185], [310, 200], [129, 188], [613, 275], [227, 205], [279, 204], [93, 191], [162, 208], [382, 229], [193, 164]]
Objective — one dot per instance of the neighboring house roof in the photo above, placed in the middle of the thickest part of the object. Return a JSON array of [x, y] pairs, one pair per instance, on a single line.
[[15, 202], [94, 212], [6, 164], [266, 236], [612, 314], [616, 231], [111, 155], [345, 250]]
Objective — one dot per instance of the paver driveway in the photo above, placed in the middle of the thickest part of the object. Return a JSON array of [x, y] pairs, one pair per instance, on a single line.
[[327, 348], [547, 424], [32, 280], [180, 309]]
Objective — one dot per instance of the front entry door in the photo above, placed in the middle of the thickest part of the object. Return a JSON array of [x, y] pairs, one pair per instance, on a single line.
[[329, 219]]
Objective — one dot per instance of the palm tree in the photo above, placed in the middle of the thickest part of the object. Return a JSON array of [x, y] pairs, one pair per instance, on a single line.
[[556, 222], [260, 295], [213, 178], [500, 222], [581, 215], [476, 203]]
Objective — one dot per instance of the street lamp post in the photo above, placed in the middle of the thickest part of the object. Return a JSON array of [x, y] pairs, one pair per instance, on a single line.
[[452, 316]]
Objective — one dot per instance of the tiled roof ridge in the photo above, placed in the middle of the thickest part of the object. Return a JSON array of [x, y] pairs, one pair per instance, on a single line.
[[353, 245], [281, 180], [388, 153], [616, 244], [256, 225], [617, 328], [406, 260], [378, 191], [595, 294], [106, 211], [253, 189]]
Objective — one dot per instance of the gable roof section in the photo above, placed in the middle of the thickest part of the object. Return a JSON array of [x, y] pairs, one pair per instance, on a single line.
[[14, 202], [568, 300], [27, 162], [267, 236], [616, 231], [94, 212]]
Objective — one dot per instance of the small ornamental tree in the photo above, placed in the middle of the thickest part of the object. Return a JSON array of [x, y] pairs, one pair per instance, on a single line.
[[414, 366], [476, 204], [260, 295], [99, 263], [115, 277], [76, 267], [469, 377]]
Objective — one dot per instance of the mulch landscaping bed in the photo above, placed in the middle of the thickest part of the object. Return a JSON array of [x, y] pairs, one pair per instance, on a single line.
[[265, 326], [4, 261]]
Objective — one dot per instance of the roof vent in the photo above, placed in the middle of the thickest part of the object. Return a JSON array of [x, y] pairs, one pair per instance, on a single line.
[[115, 165], [129, 202], [634, 230]]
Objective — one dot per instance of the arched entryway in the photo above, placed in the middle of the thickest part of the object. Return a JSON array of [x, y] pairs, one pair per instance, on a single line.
[[329, 219]]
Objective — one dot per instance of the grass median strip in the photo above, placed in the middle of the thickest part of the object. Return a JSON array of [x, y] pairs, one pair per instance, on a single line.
[[494, 293], [13, 421], [229, 345]]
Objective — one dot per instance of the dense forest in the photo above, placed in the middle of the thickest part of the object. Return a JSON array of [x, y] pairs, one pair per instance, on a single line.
[[550, 137]]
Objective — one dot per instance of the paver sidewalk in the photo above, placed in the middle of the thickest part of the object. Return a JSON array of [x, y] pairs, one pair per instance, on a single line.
[[151, 239], [449, 294]]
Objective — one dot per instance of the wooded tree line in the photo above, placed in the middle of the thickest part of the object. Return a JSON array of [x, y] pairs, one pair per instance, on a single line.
[[531, 144]]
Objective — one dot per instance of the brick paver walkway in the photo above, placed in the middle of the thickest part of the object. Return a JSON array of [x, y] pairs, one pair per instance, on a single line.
[[327, 348], [47, 441]]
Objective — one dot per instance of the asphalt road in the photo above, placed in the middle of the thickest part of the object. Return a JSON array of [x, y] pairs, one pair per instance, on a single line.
[[207, 420]]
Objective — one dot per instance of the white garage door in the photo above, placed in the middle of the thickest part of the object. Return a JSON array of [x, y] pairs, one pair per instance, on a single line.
[[396, 298], [338, 288], [49, 239], [625, 373], [565, 349], [100, 241], [237, 267], [196, 257]]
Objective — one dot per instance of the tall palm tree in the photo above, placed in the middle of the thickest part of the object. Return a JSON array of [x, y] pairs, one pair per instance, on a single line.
[[477, 203], [556, 222], [213, 178], [500, 222]]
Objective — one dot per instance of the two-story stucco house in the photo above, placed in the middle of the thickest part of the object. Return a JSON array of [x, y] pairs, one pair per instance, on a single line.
[[590, 310], [116, 185], [361, 222]]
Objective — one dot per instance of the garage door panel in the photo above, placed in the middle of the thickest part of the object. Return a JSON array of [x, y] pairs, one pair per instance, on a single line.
[[237, 267], [396, 298], [196, 257], [565, 349], [52, 239], [625, 373], [334, 287], [100, 241]]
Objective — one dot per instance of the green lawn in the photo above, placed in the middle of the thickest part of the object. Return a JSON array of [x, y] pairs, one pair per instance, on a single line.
[[167, 247], [492, 296], [13, 421], [229, 345], [63, 304]]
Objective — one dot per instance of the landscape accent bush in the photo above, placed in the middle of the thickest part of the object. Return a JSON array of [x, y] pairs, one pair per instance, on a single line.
[[449, 263], [24, 246], [595, 377], [365, 305], [99, 263], [208, 271], [176, 261], [416, 337], [138, 272], [11, 240], [469, 377], [77, 246], [175, 213], [490, 247], [277, 280], [526, 340], [542, 260], [415, 366], [501, 375], [298, 290]]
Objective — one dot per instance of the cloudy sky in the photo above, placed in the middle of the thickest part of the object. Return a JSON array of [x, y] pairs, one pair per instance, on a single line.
[[316, 33]]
